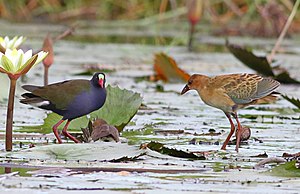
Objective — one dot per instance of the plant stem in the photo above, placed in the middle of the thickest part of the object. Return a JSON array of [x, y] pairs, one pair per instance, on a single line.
[[283, 32], [9, 116], [191, 36], [46, 68]]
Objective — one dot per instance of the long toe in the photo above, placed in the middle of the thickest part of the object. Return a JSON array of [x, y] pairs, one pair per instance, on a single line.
[[68, 135]]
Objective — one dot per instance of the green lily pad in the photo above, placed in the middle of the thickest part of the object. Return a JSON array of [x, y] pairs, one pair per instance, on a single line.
[[100, 151], [120, 106], [287, 169], [161, 148]]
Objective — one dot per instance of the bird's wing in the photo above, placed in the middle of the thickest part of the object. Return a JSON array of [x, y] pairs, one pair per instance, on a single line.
[[61, 94], [243, 88], [30, 88], [265, 87]]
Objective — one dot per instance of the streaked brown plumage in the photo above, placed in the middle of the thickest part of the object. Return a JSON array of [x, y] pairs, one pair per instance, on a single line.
[[230, 93]]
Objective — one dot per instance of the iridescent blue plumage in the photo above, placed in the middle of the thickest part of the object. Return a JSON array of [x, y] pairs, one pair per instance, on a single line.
[[70, 99]]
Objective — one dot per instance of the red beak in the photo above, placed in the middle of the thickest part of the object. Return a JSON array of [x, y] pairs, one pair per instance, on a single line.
[[101, 83]]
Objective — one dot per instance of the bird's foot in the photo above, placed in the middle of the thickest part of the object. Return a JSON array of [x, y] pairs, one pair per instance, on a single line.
[[66, 134], [223, 147]]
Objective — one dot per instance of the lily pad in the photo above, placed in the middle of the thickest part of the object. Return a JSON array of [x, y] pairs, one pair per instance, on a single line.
[[120, 106], [286, 170], [161, 148], [100, 151]]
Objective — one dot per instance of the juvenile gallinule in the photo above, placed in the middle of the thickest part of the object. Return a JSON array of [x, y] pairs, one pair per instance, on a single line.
[[70, 99], [230, 93]]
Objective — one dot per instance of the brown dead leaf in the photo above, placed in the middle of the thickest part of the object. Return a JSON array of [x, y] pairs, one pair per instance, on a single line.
[[291, 155], [99, 129], [264, 155], [166, 69], [105, 130]]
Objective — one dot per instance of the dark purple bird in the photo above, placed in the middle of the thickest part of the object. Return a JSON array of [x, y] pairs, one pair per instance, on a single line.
[[70, 99]]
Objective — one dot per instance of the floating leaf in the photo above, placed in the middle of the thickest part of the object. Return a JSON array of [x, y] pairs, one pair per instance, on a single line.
[[100, 151], [259, 64], [52, 119], [294, 101], [264, 155], [120, 106], [166, 69], [284, 77], [161, 148], [286, 170]]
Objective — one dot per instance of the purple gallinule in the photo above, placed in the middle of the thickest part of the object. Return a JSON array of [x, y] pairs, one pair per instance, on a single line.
[[70, 99], [230, 93]]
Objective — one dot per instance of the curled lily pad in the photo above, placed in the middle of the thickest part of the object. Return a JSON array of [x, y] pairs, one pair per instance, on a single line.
[[99, 129], [166, 69], [246, 56], [260, 64]]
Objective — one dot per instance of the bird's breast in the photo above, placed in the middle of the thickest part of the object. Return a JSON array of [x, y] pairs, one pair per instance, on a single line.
[[217, 99], [85, 103]]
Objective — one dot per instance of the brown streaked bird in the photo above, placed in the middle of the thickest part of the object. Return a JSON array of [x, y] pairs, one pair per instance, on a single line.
[[230, 93]]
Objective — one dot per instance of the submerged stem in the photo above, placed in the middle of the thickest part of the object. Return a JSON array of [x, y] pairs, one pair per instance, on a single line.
[[9, 116]]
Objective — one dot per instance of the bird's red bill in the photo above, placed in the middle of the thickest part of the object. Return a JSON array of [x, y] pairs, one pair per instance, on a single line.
[[101, 83]]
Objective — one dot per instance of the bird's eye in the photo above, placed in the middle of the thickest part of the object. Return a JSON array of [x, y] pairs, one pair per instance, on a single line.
[[190, 82]]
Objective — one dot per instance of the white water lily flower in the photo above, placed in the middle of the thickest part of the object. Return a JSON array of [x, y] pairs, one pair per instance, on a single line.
[[7, 43], [16, 62]]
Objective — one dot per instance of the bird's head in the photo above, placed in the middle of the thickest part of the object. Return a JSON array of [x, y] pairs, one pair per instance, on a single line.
[[195, 82], [99, 79]]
